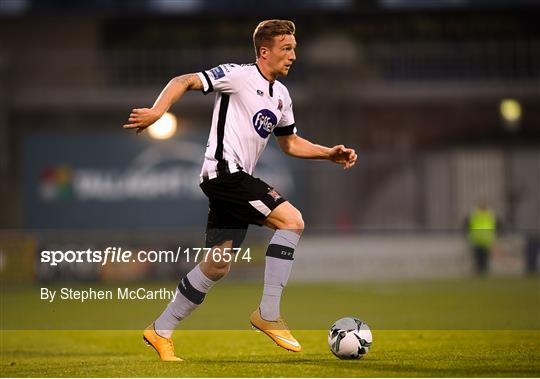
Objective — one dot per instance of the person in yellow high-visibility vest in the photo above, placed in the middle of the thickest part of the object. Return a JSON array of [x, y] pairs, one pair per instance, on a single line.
[[482, 233]]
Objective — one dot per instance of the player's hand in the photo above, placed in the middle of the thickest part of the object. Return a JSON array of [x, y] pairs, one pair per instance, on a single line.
[[343, 156], [141, 118]]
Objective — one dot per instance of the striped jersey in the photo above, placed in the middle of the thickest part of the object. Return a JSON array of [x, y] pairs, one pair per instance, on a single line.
[[247, 109]]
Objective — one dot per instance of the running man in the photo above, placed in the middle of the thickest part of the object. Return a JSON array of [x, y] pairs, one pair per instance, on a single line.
[[250, 105]]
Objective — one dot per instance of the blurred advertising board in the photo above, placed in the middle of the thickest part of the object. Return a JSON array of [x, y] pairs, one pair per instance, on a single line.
[[119, 180]]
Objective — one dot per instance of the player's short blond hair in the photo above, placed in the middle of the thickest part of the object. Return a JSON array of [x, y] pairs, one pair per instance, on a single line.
[[266, 31]]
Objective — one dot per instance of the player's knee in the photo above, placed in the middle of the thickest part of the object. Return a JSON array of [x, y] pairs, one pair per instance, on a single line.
[[219, 273], [294, 223], [222, 270], [216, 270]]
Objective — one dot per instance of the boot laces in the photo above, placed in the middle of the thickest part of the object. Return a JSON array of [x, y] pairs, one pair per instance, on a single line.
[[170, 346]]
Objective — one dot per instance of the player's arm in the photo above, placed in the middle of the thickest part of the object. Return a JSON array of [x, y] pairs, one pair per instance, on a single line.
[[141, 118], [299, 147]]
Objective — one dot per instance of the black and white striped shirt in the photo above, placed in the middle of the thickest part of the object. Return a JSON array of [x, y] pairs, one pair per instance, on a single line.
[[247, 109]]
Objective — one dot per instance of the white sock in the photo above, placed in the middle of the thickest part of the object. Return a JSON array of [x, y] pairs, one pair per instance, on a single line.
[[189, 295], [279, 260]]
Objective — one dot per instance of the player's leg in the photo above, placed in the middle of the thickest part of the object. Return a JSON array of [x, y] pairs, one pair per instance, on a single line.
[[477, 251], [484, 260], [193, 287], [192, 290], [252, 201], [285, 217], [289, 225], [190, 293], [215, 265]]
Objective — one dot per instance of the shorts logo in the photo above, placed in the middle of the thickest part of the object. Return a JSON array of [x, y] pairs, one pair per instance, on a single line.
[[264, 122], [275, 194], [217, 72]]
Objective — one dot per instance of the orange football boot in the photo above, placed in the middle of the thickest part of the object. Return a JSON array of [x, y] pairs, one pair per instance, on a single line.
[[278, 331], [163, 346]]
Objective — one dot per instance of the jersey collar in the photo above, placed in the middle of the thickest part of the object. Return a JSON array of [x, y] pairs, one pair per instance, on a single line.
[[270, 84]]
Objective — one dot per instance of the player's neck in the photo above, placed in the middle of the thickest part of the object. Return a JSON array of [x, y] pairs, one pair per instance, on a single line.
[[265, 71]]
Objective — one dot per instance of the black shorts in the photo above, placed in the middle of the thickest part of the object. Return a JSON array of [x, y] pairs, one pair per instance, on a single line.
[[236, 200]]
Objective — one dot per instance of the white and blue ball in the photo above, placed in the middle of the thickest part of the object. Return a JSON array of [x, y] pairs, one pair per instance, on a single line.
[[350, 338]]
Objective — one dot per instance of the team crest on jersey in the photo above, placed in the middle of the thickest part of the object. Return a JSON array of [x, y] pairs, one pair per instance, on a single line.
[[280, 105], [275, 194], [217, 72], [264, 122]]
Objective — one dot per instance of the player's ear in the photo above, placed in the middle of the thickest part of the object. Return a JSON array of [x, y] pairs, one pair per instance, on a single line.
[[263, 52]]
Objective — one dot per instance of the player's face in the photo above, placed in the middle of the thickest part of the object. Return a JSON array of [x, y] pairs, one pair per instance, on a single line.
[[282, 54]]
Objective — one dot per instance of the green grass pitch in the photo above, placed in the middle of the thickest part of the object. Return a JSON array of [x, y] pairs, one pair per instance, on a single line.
[[444, 328]]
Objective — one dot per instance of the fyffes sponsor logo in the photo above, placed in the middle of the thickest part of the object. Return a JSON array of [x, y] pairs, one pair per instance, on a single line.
[[264, 122]]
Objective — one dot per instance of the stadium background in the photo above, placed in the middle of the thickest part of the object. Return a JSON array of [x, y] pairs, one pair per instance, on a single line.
[[414, 86]]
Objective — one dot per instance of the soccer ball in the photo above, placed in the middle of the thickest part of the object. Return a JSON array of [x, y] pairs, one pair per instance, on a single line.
[[349, 338]]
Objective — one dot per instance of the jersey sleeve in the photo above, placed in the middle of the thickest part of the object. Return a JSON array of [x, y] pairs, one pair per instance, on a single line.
[[227, 78], [286, 126]]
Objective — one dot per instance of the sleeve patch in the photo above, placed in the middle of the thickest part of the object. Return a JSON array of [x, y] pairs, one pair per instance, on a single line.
[[217, 72]]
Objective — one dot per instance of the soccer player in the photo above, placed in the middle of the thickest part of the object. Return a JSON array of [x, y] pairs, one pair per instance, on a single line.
[[250, 105]]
